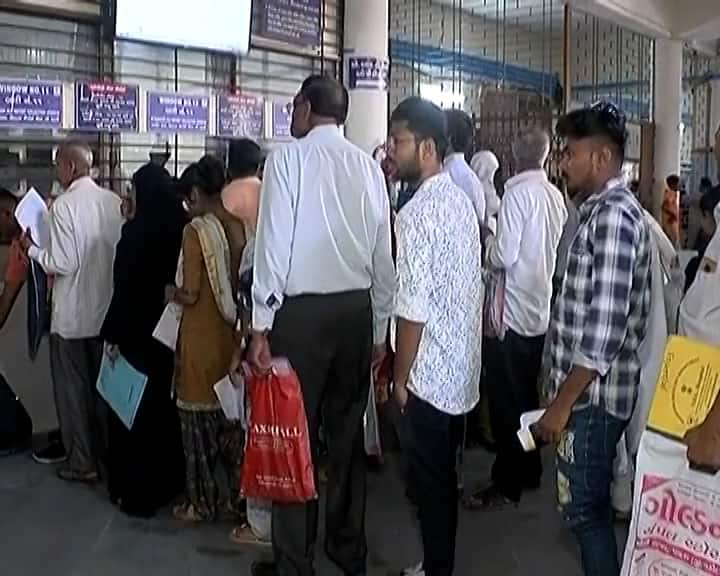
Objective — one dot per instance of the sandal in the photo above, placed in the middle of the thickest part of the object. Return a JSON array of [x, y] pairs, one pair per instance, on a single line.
[[488, 499], [243, 535], [188, 513], [72, 475]]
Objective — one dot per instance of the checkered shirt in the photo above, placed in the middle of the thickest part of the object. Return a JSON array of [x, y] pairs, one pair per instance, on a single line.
[[601, 314]]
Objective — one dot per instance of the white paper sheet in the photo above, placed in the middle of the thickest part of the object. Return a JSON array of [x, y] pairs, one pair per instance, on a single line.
[[166, 331], [32, 214], [232, 399], [527, 420]]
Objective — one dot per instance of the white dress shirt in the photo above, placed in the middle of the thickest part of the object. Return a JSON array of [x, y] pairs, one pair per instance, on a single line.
[[323, 228], [465, 179], [439, 285], [85, 224], [531, 220]]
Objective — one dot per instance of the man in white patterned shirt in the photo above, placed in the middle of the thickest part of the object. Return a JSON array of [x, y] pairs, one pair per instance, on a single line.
[[439, 324]]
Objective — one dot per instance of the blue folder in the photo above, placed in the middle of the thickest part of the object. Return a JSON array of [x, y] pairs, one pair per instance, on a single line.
[[122, 387]]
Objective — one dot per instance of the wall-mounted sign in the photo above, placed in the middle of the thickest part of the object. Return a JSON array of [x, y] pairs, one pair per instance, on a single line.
[[106, 107], [367, 73], [292, 21], [282, 117], [172, 112], [240, 116], [31, 104]]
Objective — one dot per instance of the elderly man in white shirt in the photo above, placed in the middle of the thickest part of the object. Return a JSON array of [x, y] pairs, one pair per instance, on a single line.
[[460, 134], [530, 222], [85, 224], [439, 325], [322, 296]]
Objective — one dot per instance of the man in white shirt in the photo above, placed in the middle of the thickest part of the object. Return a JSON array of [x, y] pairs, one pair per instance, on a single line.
[[322, 296], [460, 140], [85, 225], [439, 325], [531, 220]]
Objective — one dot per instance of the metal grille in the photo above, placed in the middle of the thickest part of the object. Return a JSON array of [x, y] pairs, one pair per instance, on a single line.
[[499, 60], [698, 136], [463, 46], [611, 63], [50, 48], [45, 49]]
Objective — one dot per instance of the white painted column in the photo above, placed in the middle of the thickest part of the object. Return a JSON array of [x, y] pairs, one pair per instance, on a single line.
[[366, 39], [714, 127], [668, 113]]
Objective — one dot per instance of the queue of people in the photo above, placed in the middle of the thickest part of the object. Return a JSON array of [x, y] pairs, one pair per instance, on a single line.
[[309, 256]]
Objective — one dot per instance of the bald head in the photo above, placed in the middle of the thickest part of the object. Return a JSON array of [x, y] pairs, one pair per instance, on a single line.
[[531, 149], [321, 100], [74, 160]]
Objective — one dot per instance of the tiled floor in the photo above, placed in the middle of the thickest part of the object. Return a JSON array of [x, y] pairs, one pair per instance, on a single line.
[[50, 528]]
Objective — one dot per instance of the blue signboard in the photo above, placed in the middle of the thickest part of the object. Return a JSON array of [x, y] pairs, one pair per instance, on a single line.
[[31, 104], [292, 21], [172, 112], [106, 107], [367, 73], [282, 118], [239, 116]]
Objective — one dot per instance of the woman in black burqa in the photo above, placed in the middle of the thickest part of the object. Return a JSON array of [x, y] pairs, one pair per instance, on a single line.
[[146, 466]]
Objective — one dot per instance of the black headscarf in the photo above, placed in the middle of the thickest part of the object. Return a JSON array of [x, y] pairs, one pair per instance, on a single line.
[[145, 263]]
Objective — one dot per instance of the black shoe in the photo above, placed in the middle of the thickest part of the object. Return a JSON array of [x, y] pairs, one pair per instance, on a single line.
[[52, 454], [263, 569]]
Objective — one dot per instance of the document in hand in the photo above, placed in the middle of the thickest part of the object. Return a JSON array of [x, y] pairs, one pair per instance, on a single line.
[[32, 214], [166, 331], [232, 399], [122, 387], [524, 434]]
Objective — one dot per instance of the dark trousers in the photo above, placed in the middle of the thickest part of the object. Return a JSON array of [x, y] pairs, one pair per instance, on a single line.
[[585, 471], [430, 450], [513, 368], [75, 366], [328, 340]]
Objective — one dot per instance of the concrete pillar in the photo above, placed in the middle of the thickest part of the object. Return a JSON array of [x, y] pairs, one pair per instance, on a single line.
[[668, 113], [366, 49], [715, 128]]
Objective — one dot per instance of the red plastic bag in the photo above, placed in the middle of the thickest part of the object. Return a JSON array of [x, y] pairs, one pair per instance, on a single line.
[[277, 464]]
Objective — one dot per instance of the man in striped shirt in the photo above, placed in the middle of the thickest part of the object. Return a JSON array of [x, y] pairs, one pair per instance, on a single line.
[[598, 322]]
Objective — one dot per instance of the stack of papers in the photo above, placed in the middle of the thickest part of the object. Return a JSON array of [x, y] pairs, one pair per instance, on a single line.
[[32, 214]]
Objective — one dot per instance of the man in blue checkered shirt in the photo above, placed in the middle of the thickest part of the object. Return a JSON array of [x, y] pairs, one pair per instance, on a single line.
[[599, 320]]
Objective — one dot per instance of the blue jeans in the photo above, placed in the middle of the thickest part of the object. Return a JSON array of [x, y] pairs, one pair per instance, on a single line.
[[585, 471]]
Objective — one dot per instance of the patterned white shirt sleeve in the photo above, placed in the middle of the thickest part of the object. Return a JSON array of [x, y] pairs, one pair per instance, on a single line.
[[413, 274]]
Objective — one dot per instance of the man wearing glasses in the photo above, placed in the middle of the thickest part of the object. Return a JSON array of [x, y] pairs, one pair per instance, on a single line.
[[598, 322], [438, 306]]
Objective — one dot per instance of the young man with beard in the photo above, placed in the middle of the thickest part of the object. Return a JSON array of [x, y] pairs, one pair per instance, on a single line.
[[599, 320], [438, 306]]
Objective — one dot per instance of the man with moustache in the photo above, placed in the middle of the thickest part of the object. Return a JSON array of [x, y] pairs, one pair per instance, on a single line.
[[599, 321]]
